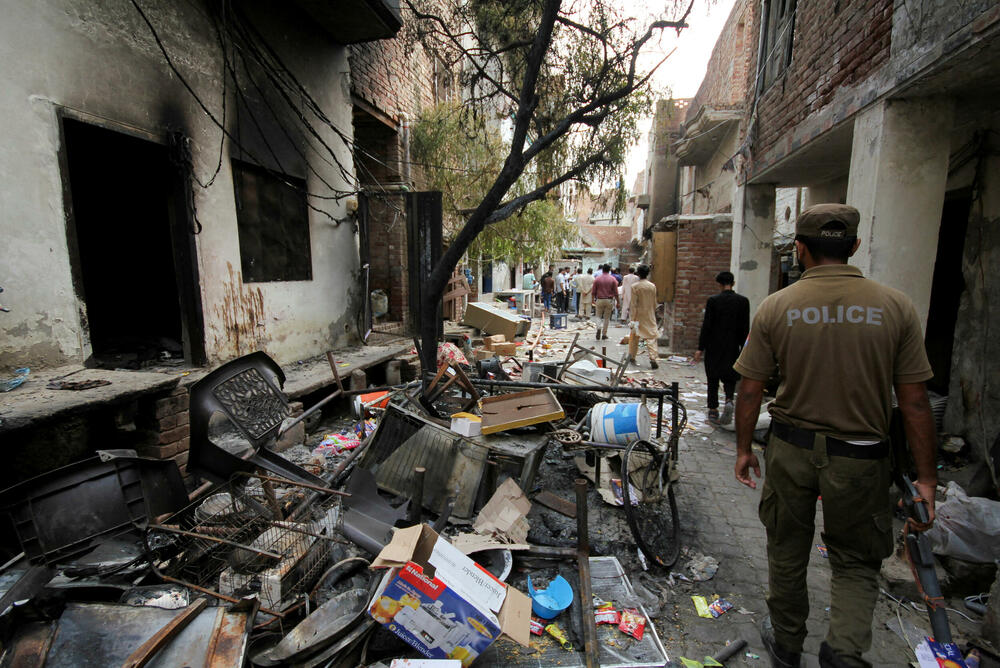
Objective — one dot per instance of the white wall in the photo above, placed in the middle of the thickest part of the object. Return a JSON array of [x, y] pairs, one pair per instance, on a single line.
[[99, 60]]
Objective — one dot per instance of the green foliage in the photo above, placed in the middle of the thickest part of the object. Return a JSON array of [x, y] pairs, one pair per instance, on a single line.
[[460, 154]]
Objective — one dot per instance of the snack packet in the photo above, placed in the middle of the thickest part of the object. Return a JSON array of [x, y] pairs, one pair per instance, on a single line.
[[606, 614], [719, 607], [632, 623], [536, 626]]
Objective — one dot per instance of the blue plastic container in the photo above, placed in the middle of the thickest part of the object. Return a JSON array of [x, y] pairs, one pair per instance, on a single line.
[[547, 603]]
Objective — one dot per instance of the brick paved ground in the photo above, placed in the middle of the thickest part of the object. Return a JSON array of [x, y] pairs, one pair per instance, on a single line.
[[719, 518]]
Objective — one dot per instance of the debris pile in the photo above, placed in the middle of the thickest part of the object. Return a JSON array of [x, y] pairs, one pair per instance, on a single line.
[[429, 524]]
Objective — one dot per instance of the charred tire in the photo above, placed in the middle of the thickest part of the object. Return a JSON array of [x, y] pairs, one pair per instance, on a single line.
[[653, 520]]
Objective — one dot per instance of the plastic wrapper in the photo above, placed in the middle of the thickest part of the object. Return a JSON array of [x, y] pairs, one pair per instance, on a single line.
[[966, 527], [719, 607], [606, 614], [633, 623]]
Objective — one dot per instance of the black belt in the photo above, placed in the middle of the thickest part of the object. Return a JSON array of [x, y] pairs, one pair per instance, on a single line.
[[803, 438]]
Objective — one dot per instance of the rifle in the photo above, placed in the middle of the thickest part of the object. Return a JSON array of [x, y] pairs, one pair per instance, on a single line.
[[917, 546]]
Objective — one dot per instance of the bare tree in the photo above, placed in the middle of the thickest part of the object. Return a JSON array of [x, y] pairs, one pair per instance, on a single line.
[[568, 78]]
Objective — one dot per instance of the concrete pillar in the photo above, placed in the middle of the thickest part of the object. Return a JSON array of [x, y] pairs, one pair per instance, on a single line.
[[753, 230], [899, 169]]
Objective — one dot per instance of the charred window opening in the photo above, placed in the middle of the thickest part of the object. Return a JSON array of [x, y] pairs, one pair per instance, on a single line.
[[778, 26], [273, 220]]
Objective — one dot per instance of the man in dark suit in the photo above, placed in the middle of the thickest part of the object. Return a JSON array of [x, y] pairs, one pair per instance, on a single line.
[[723, 333]]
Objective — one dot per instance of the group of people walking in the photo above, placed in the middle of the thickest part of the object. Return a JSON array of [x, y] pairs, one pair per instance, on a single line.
[[572, 291]]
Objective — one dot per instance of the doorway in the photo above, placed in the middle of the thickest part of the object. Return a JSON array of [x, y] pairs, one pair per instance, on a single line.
[[125, 238], [947, 287]]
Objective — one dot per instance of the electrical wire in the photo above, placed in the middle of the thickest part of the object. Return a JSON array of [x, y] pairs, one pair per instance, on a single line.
[[338, 194]]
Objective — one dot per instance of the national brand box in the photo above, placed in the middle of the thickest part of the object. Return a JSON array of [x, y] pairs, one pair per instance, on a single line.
[[441, 602]]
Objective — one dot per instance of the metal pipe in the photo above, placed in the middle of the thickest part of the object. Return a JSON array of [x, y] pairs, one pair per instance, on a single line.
[[312, 409], [583, 563], [285, 481], [666, 393], [214, 539]]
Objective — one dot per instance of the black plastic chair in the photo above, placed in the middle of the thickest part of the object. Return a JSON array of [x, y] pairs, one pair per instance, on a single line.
[[246, 390]]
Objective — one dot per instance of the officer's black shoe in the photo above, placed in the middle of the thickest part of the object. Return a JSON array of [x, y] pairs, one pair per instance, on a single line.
[[780, 657], [653, 365], [828, 658]]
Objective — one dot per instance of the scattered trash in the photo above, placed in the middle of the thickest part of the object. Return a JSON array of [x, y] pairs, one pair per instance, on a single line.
[[744, 611], [632, 623], [549, 602], [505, 515], [966, 527], [931, 654], [20, 375], [822, 551], [701, 606], [536, 626], [702, 567], [751, 655], [466, 424], [616, 489], [605, 613], [76, 385], [719, 607], [556, 632]]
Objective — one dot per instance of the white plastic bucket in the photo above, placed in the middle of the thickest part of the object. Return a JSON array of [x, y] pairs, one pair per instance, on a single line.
[[619, 423]]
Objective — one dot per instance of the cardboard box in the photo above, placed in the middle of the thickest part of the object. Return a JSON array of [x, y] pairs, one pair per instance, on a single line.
[[441, 602], [482, 354], [466, 424], [505, 349], [491, 320], [519, 409], [490, 341]]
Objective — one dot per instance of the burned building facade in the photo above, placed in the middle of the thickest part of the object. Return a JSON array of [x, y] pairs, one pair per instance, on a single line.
[[179, 179]]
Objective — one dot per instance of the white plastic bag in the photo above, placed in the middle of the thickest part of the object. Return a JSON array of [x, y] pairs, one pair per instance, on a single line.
[[966, 527]]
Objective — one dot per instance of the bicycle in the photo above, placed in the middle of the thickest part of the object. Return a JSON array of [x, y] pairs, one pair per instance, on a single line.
[[651, 471], [648, 473]]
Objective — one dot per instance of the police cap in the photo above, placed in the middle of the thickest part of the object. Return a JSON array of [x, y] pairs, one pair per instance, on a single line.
[[812, 221]]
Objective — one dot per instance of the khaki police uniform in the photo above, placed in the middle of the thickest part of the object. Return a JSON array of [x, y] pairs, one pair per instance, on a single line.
[[839, 342]]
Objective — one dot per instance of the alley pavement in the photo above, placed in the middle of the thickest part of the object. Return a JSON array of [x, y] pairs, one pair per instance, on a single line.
[[718, 518]]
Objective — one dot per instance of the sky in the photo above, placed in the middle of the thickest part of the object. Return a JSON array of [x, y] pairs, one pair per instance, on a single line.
[[685, 69]]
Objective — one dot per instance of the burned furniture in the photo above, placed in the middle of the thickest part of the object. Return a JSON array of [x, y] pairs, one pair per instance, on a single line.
[[238, 541], [248, 392], [404, 441], [68, 511]]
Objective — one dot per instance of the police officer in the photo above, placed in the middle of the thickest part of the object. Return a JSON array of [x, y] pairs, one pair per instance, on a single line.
[[841, 344]]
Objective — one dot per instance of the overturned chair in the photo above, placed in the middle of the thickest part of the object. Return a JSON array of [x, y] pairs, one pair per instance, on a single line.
[[248, 392]]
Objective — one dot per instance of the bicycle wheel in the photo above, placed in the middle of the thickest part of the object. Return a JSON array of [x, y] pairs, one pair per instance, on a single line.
[[653, 519]]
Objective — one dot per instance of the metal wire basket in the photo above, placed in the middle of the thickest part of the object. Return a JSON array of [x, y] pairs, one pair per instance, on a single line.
[[241, 541]]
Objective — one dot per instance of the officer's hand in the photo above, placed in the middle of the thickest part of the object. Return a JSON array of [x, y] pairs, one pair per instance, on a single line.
[[743, 465], [697, 356], [926, 491]]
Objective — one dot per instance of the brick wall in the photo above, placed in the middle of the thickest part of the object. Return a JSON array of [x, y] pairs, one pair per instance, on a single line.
[[835, 43], [703, 250], [725, 83], [388, 244], [166, 418], [397, 78]]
